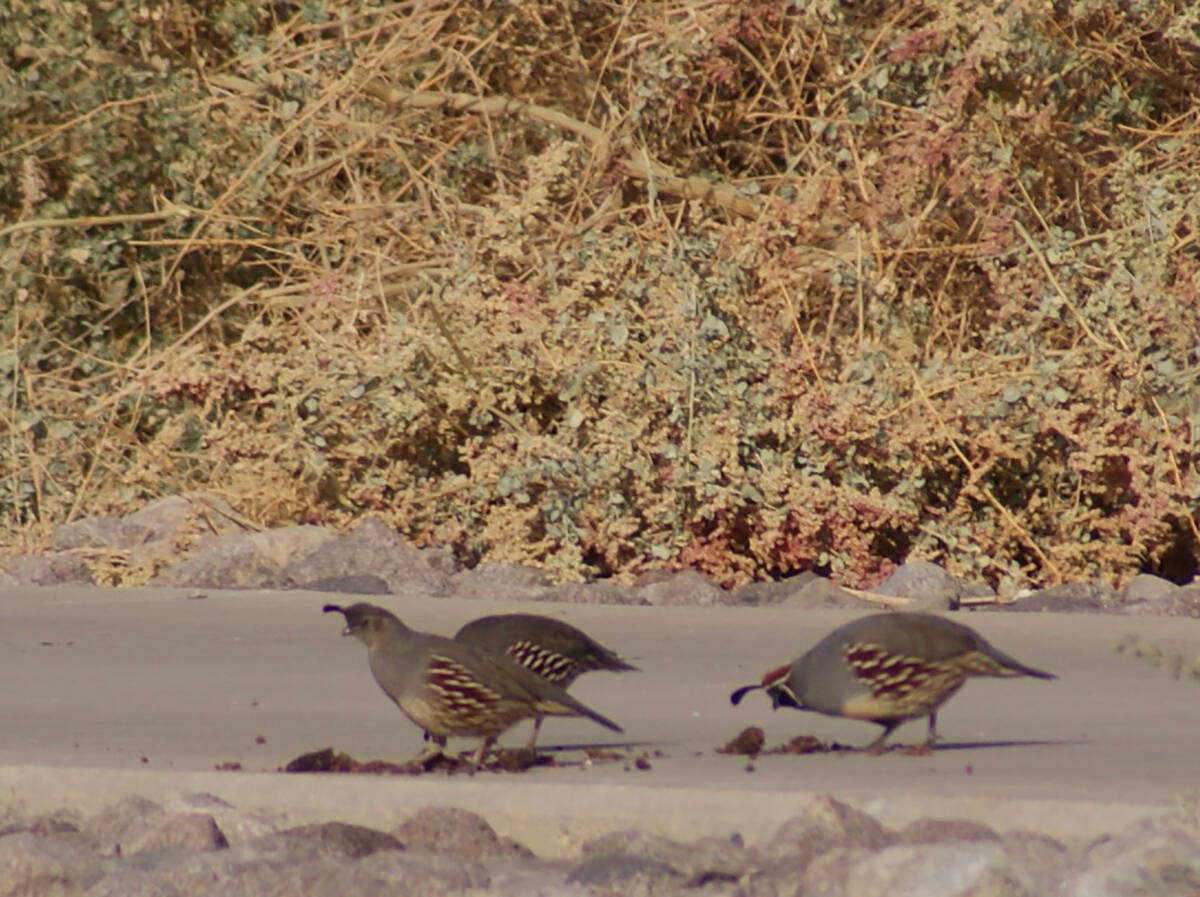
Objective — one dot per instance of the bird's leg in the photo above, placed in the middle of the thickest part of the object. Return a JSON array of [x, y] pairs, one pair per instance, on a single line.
[[436, 747], [537, 725], [875, 748], [477, 757], [933, 735]]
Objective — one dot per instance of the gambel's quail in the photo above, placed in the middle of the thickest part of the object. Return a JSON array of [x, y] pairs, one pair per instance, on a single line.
[[556, 651], [888, 668], [449, 688]]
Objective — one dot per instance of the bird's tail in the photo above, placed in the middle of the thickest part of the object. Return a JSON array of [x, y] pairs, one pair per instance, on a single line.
[[565, 705], [994, 662]]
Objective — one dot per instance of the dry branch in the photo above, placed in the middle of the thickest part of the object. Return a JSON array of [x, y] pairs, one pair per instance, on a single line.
[[643, 169]]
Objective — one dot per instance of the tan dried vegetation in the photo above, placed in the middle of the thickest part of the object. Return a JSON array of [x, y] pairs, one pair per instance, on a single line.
[[752, 287]]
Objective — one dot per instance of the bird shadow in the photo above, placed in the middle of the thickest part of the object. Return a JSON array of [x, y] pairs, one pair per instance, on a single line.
[[1005, 743], [596, 746]]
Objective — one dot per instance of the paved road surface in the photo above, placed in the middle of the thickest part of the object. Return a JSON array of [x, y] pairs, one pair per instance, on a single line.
[[110, 692]]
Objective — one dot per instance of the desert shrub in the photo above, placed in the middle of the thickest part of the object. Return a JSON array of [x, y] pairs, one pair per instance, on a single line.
[[949, 309]]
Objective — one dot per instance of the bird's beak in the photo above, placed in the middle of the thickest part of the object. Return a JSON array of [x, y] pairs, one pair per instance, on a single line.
[[347, 631]]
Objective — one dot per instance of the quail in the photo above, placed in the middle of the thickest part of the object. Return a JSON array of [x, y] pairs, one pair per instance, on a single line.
[[450, 688], [556, 651], [887, 668]]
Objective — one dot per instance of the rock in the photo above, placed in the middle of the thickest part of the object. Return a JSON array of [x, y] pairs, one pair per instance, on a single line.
[[618, 869], [1185, 602], [1149, 588], [764, 594], [47, 569], [192, 831], [514, 877], [117, 828], [133, 883], [350, 584], [451, 830], [87, 532], [931, 586], [825, 824], [703, 861], [936, 831], [1043, 861], [151, 533], [338, 839], [254, 560], [374, 548], [1077, 596], [822, 593], [238, 826], [592, 593], [59, 823], [388, 875], [499, 582], [685, 587], [1146, 594], [37, 866], [958, 869], [1155, 856]]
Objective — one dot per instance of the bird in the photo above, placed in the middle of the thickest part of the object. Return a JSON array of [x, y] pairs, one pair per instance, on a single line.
[[887, 668], [556, 651], [449, 688]]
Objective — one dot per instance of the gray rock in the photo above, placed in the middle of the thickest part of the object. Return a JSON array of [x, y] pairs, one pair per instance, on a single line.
[[1150, 595], [1076, 596], [1043, 861], [1147, 587], [192, 831], [350, 584], [391, 874], [254, 560], [47, 569], [461, 832], [931, 585], [684, 587], [515, 877], [774, 877], [1155, 856], [386, 874], [37, 866], [150, 533], [958, 869], [824, 824], [935, 831], [62, 822], [290, 858], [133, 883], [238, 826], [821, 593], [1185, 602], [337, 839], [764, 594], [704, 861], [592, 593], [373, 547], [618, 868], [88, 532], [499, 582], [117, 828]]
